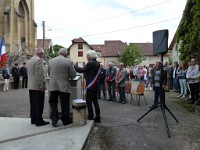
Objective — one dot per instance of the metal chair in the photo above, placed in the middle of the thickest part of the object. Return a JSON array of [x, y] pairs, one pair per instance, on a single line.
[[139, 92], [128, 88]]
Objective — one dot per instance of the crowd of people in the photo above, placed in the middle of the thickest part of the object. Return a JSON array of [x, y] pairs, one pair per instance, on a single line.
[[181, 78], [17, 73]]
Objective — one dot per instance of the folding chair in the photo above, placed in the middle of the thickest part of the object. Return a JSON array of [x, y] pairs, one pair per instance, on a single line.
[[128, 87], [139, 92]]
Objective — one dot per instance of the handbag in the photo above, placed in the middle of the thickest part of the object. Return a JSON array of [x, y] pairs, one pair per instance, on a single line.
[[109, 79]]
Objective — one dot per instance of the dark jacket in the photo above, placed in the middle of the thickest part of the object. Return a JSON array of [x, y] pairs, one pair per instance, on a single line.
[[5, 74], [111, 72], [163, 77], [102, 75], [23, 72], [90, 71], [15, 72]]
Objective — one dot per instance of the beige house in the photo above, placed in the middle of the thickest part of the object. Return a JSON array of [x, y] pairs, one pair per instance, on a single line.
[[174, 50], [46, 44], [17, 25], [110, 51], [77, 51], [146, 50]]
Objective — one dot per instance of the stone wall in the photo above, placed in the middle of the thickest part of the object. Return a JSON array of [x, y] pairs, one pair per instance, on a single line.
[[18, 22]]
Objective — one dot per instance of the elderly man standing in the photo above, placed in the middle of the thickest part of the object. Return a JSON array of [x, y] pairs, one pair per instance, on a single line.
[[36, 86], [110, 79], [60, 70], [91, 72], [120, 80]]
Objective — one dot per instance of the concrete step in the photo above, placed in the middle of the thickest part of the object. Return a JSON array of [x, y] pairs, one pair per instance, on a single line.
[[19, 134]]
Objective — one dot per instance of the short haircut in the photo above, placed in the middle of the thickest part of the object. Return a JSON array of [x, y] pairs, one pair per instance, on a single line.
[[92, 54], [38, 50], [62, 51], [110, 63]]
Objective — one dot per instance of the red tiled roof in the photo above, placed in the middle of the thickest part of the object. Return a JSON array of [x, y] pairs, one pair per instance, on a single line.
[[113, 48], [78, 40], [47, 43], [98, 47], [146, 49]]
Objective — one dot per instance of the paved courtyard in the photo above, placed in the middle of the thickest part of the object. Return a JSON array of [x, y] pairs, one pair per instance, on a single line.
[[120, 130]]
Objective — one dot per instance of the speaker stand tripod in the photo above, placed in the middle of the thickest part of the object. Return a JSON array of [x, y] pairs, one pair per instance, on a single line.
[[162, 104], [163, 107]]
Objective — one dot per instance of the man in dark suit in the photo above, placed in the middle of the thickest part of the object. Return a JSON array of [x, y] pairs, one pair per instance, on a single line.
[[16, 75], [101, 81], [60, 70], [37, 87], [23, 73], [91, 72]]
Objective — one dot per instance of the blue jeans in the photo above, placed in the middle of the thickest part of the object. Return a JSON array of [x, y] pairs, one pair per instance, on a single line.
[[150, 81], [176, 84], [122, 94], [183, 86]]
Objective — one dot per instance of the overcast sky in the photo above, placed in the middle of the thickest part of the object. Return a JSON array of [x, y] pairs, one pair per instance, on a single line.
[[100, 20]]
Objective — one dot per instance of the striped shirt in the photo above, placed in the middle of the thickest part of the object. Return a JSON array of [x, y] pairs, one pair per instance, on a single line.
[[157, 78]]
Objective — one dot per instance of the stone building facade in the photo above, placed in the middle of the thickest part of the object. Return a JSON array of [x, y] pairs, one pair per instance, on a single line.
[[17, 26]]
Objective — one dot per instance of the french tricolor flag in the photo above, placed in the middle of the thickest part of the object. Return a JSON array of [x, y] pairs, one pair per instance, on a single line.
[[3, 56]]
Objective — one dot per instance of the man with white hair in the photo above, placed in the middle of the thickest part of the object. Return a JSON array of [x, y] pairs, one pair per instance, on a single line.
[[91, 73], [36, 86], [60, 70], [111, 73]]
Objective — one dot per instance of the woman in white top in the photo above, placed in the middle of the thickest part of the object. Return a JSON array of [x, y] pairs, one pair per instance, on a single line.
[[193, 77]]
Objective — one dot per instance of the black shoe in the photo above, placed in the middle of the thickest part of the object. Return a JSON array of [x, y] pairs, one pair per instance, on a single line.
[[32, 121], [54, 123], [43, 123], [123, 102], [98, 97], [67, 122], [90, 118], [97, 120], [109, 100]]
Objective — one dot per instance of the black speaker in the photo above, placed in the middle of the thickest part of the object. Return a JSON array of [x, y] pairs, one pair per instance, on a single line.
[[22, 39], [160, 42]]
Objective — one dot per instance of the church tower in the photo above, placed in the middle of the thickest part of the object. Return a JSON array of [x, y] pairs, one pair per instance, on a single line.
[[17, 26]]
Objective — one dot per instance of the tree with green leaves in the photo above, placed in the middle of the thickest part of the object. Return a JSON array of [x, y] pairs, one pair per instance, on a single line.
[[54, 51], [131, 56], [188, 33]]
